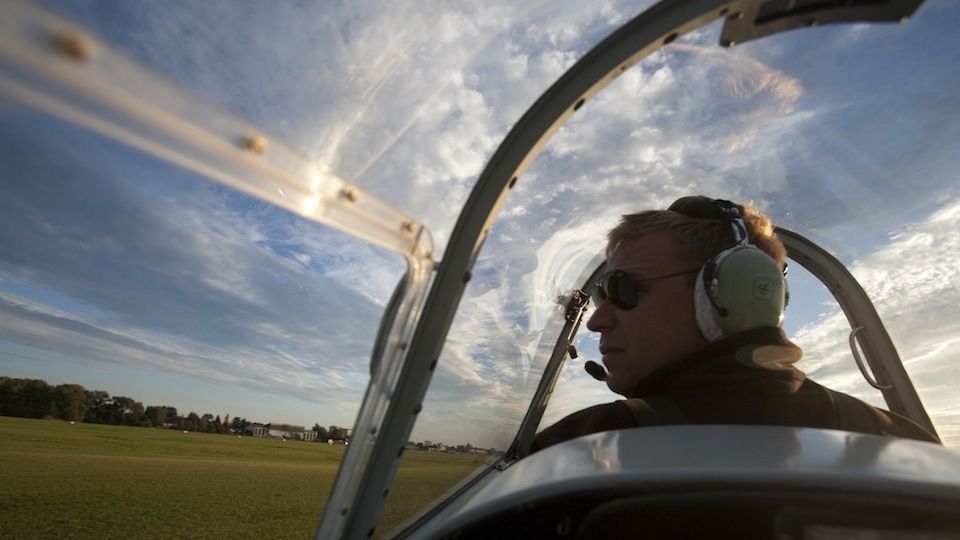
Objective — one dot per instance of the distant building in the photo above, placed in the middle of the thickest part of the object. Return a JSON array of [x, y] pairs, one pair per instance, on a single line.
[[256, 430], [280, 431]]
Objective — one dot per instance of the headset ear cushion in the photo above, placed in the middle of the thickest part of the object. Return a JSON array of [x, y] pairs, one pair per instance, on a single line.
[[739, 289], [705, 312]]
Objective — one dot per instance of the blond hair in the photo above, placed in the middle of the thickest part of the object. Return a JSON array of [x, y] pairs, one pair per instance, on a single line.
[[699, 239]]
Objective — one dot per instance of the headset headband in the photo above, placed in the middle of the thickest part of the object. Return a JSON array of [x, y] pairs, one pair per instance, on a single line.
[[701, 207]]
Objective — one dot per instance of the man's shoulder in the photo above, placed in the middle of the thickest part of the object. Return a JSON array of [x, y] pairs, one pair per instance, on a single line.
[[853, 414], [856, 415], [655, 411], [625, 413], [603, 417]]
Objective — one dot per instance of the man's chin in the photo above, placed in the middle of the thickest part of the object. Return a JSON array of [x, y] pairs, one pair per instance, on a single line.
[[614, 384]]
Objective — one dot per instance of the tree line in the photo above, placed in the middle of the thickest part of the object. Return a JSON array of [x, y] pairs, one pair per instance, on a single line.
[[35, 398]]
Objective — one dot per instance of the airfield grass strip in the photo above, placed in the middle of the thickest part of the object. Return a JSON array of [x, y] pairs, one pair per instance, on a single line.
[[61, 480]]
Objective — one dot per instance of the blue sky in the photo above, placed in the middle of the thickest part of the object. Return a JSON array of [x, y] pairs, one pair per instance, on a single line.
[[130, 275]]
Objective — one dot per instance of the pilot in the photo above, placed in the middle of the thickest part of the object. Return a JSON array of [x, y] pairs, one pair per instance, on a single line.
[[689, 311]]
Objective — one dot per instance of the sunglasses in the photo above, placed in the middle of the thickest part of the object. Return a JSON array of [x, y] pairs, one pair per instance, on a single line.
[[622, 290]]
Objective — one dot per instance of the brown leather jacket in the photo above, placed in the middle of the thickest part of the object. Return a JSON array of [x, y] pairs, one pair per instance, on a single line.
[[748, 378]]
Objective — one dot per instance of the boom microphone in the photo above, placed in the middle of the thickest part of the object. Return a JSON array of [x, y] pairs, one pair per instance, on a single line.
[[595, 370]]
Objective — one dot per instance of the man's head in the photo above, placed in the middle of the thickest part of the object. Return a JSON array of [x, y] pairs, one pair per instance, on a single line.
[[660, 253]]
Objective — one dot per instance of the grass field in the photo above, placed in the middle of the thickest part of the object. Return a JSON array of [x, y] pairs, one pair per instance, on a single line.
[[62, 480]]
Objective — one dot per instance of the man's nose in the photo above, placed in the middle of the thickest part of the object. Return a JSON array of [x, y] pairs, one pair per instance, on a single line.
[[602, 318]]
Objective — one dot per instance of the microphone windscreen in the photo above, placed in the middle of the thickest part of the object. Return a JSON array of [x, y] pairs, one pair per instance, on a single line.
[[595, 370]]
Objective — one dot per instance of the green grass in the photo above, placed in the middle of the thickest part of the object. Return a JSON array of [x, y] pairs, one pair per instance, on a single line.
[[91, 481]]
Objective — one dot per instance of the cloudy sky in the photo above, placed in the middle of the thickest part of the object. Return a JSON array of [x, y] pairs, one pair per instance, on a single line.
[[122, 272]]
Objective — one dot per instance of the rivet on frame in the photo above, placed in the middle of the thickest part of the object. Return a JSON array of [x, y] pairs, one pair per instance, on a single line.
[[256, 144], [73, 46]]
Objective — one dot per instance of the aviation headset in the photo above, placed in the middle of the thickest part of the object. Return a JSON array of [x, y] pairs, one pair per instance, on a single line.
[[741, 287]]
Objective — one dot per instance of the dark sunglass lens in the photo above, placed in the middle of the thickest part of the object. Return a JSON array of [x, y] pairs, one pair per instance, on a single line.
[[617, 286], [622, 292]]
